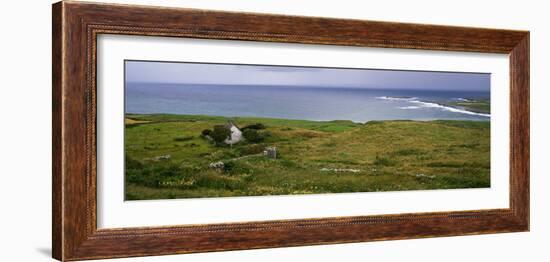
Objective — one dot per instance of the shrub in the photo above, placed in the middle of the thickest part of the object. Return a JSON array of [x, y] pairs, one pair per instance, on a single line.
[[183, 138], [220, 134], [211, 182], [383, 161], [235, 168], [228, 166], [156, 175], [131, 163], [206, 132], [145, 177], [219, 183], [253, 136], [169, 171], [251, 150], [256, 126], [408, 152]]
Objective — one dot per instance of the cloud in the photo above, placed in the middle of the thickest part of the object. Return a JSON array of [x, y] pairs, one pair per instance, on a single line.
[[265, 75]]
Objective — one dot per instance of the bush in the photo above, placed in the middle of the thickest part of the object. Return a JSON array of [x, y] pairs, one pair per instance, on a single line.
[[145, 177], [183, 138], [383, 161], [253, 136], [206, 132], [131, 163], [251, 150], [220, 134], [156, 175], [256, 126], [235, 168], [168, 171], [228, 166]]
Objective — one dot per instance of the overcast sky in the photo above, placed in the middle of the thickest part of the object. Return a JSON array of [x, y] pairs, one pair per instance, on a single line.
[[228, 74]]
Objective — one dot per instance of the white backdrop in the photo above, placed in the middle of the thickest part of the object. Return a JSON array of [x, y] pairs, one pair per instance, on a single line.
[[25, 147]]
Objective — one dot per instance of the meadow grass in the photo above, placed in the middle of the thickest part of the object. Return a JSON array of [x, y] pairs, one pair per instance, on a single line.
[[479, 106], [387, 156]]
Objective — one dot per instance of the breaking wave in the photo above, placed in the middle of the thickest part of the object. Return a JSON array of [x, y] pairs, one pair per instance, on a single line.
[[391, 98], [409, 107], [449, 108], [422, 104]]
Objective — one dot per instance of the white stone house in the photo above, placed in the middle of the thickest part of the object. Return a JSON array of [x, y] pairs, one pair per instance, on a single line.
[[236, 134]]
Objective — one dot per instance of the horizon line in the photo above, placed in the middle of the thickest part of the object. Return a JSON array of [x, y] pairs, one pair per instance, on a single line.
[[303, 86]]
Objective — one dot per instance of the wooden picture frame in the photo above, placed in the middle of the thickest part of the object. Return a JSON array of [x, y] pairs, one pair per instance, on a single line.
[[76, 26]]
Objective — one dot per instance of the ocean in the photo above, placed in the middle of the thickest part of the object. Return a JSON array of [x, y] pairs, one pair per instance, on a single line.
[[305, 103]]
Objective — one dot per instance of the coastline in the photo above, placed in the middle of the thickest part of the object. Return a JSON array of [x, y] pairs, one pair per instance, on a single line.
[[477, 107], [138, 118]]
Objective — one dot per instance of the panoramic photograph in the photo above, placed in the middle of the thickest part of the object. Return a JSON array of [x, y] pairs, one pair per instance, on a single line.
[[197, 130]]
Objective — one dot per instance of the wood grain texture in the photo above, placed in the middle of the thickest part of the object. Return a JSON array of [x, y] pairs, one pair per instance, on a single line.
[[519, 129], [57, 195], [76, 26]]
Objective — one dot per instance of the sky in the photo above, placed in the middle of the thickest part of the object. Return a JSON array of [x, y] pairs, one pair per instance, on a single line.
[[258, 75]]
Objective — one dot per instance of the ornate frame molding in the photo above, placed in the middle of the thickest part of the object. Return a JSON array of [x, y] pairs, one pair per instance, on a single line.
[[76, 26]]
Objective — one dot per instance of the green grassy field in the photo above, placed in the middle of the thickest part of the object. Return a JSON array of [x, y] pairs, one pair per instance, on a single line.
[[166, 157], [478, 106]]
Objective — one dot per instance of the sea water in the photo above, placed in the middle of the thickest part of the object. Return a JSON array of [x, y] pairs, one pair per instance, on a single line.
[[304, 102]]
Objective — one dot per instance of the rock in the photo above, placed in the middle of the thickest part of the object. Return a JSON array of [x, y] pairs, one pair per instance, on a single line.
[[216, 165], [337, 170], [270, 152], [423, 175], [158, 158]]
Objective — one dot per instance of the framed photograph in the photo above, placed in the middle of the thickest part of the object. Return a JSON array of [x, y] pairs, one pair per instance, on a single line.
[[182, 130]]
